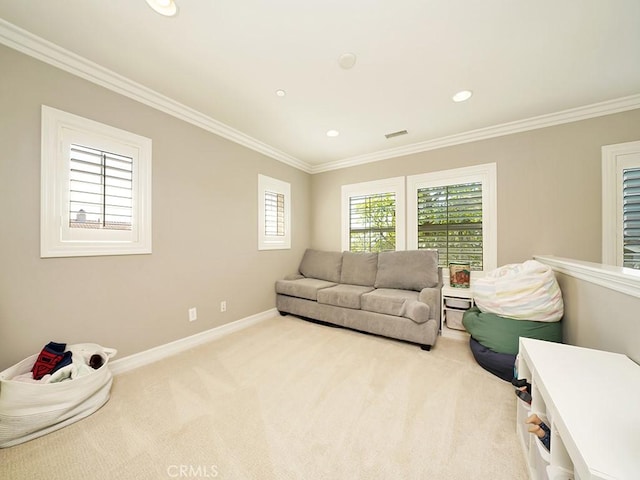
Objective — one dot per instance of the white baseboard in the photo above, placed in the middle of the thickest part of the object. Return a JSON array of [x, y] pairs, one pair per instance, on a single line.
[[160, 352]]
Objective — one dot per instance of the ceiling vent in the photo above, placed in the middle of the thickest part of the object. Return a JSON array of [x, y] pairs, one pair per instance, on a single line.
[[396, 134]]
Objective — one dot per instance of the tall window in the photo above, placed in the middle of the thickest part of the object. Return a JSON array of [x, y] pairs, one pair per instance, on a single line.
[[373, 216], [621, 205], [450, 220], [274, 214], [631, 218], [372, 223], [96, 188], [455, 212]]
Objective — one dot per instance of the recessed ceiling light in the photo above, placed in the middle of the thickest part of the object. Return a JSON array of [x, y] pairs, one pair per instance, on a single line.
[[347, 60], [462, 96], [168, 8], [281, 93], [333, 133]]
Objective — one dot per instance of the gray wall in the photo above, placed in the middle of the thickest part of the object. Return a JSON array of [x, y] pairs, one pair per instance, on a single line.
[[549, 186], [205, 218], [600, 318], [204, 228]]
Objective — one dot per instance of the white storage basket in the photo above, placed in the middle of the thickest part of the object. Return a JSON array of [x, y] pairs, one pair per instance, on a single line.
[[30, 410], [454, 319]]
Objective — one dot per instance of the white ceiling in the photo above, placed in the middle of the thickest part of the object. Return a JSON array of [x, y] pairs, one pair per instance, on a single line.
[[226, 59]]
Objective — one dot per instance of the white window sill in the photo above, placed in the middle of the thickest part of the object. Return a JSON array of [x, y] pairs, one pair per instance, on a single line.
[[619, 279]]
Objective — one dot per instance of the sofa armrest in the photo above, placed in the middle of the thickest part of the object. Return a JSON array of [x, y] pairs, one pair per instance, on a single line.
[[294, 276], [431, 296]]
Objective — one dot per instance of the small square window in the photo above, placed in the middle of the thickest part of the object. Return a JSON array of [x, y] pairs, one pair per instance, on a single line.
[[96, 188]]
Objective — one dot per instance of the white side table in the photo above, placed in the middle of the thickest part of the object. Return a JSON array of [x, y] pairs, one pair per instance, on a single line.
[[455, 301]]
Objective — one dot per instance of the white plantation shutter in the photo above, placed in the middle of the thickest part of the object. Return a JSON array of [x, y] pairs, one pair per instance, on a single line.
[[631, 218], [450, 220], [372, 223], [100, 189], [274, 214]]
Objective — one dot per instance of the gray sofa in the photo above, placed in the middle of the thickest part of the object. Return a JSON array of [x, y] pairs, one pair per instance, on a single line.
[[393, 294]]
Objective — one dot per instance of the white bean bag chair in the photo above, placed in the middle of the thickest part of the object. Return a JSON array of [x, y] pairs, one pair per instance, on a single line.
[[521, 291], [30, 410]]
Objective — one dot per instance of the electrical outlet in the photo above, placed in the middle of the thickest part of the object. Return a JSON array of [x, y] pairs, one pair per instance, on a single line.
[[193, 314], [223, 306]]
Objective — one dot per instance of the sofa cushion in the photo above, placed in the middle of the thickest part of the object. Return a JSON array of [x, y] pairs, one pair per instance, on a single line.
[[359, 268], [303, 288], [399, 303], [343, 295], [407, 270], [321, 265]]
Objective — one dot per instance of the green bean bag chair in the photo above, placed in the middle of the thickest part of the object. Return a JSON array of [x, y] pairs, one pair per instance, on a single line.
[[502, 335]]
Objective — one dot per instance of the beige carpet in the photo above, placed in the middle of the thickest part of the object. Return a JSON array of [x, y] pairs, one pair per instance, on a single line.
[[288, 399]]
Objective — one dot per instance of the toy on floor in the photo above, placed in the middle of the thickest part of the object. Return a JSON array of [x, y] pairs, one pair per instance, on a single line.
[[539, 429], [55, 364], [51, 359], [523, 389], [96, 361]]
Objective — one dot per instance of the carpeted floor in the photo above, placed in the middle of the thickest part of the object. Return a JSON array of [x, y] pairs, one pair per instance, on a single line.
[[288, 399]]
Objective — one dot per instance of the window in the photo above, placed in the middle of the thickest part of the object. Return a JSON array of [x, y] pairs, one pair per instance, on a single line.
[[100, 189], [450, 221], [372, 223], [621, 205], [631, 217], [454, 211], [274, 214], [96, 188], [373, 216], [274, 207]]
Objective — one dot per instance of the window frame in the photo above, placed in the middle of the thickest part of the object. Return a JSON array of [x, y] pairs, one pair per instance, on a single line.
[[273, 185], [485, 174], [615, 159], [394, 185], [57, 239]]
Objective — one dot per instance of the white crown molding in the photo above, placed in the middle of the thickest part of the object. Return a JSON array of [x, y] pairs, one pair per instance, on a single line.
[[45, 51], [37, 47], [566, 116], [146, 357]]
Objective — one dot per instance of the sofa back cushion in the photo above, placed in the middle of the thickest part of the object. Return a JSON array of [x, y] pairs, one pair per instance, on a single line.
[[359, 268], [407, 270], [321, 265]]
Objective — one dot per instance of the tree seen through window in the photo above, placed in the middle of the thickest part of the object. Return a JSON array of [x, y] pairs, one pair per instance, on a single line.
[[450, 220]]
